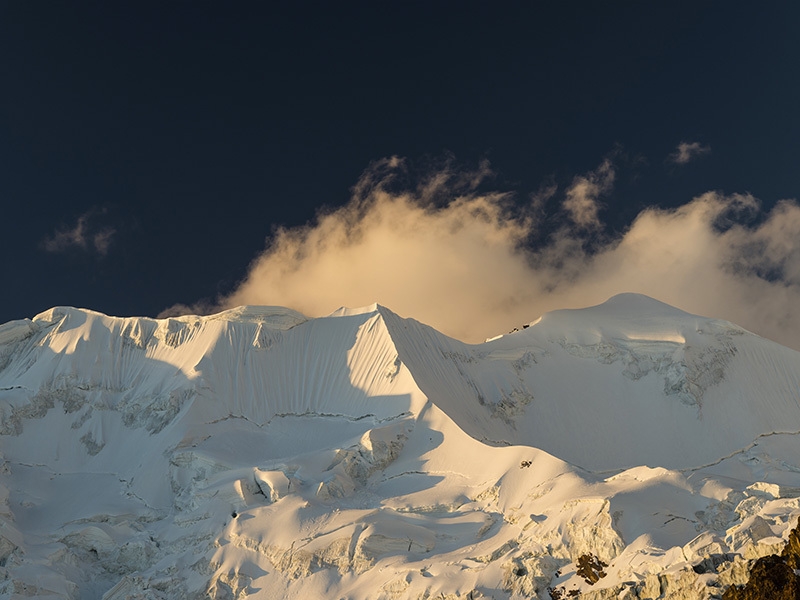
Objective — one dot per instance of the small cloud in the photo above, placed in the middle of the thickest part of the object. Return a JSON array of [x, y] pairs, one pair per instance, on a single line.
[[688, 151], [545, 193], [582, 204], [86, 234], [102, 240]]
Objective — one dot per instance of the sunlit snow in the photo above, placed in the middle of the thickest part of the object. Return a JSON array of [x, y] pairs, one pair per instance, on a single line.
[[257, 453]]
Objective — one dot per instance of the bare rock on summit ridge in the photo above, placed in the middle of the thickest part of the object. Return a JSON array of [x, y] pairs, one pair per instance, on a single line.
[[773, 577]]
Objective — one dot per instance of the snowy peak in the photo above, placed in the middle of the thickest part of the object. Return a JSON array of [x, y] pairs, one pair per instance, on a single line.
[[632, 369], [635, 305], [626, 316], [260, 361]]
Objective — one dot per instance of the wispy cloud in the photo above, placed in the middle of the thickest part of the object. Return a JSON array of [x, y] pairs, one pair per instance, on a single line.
[[687, 152], [84, 234], [582, 201], [462, 261]]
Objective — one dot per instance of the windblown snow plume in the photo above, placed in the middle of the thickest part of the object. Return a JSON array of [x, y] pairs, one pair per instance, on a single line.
[[625, 450], [473, 264]]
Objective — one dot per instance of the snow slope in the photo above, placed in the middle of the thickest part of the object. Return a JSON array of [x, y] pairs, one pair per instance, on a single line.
[[258, 453], [681, 390]]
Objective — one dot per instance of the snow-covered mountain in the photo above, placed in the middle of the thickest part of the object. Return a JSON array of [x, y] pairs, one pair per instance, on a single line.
[[626, 450]]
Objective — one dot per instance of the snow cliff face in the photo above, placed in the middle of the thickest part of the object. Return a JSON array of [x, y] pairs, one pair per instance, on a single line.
[[257, 453]]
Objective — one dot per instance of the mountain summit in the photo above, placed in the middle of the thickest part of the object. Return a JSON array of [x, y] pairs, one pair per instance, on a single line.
[[259, 453]]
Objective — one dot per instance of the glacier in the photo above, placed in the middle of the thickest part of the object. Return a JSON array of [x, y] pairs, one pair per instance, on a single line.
[[258, 453]]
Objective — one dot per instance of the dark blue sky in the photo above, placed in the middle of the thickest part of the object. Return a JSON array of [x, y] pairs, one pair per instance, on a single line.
[[182, 133]]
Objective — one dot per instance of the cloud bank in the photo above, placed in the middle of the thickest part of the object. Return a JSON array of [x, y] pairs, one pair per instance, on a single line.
[[477, 264]]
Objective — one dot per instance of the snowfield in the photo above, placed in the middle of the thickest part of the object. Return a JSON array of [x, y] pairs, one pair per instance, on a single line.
[[628, 450]]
